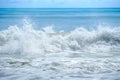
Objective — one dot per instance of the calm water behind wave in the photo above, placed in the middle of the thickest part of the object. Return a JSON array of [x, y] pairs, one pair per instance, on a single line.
[[63, 19]]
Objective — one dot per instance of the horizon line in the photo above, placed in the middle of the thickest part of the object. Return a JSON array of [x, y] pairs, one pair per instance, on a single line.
[[60, 7]]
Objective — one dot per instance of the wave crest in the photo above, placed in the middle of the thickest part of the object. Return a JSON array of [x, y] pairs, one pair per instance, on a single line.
[[26, 40]]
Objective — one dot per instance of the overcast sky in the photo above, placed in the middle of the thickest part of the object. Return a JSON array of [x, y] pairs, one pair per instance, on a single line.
[[59, 3]]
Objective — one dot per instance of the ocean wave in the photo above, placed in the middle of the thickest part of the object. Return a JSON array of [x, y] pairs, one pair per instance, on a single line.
[[31, 54], [26, 40]]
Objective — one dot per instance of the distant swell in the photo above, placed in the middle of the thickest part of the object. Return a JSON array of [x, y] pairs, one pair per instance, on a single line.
[[28, 41]]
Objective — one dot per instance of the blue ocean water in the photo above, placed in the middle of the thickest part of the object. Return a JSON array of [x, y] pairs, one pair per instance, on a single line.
[[61, 18], [60, 44]]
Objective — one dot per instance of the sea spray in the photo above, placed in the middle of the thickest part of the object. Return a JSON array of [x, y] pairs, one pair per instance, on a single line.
[[27, 53], [30, 50], [26, 40]]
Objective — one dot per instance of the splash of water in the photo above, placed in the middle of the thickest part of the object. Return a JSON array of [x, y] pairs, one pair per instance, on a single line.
[[26, 40], [27, 53]]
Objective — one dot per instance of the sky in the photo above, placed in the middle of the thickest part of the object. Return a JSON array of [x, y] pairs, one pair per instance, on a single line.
[[59, 3]]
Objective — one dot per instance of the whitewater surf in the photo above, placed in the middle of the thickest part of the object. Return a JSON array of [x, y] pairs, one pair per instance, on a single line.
[[46, 54], [59, 43]]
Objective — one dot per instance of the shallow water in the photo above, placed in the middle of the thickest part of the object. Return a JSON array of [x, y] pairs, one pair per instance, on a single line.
[[53, 68]]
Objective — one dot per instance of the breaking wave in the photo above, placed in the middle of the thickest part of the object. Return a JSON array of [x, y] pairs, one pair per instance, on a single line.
[[28, 41], [31, 54]]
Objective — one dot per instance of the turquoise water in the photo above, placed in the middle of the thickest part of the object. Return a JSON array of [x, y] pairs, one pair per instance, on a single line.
[[60, 44], [61, 18]]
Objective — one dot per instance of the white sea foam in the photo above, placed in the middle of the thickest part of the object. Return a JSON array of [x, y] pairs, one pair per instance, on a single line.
[[81, 54], [26, 40]]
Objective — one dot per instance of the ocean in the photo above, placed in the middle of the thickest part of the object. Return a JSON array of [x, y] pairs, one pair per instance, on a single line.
[[59, 43]]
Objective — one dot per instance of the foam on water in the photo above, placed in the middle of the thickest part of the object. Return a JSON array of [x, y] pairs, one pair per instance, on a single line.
[[26, 40], [29, 54]]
